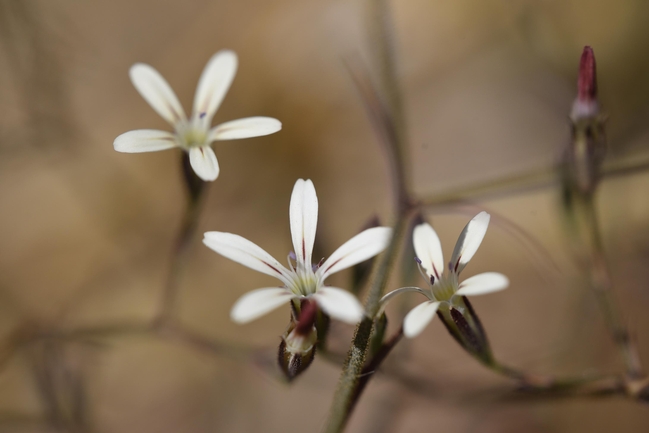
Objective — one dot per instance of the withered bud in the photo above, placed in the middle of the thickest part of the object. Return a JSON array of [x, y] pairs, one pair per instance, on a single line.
[[586, 104], [297, 349]]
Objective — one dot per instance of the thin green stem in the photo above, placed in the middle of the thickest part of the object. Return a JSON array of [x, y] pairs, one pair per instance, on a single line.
[[601, 283], [353, 366]]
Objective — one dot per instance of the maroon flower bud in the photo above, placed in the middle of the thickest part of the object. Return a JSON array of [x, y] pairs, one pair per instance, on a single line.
[[586, 104]]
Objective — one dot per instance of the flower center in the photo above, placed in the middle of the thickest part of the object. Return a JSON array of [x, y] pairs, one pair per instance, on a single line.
[[192, 134], [444, 289], [306, 282]]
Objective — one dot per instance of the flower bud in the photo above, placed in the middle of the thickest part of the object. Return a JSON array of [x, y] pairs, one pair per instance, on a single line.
[[583, 157], [586, 104], [297, 349], [465, 326]]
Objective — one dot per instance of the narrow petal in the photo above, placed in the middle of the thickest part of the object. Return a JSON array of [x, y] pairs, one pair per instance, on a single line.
[[469, 240], [155, 90], [361, 247], [204, 163], [428, 249], [214, 84], [303, 214], [245, 128], [417, 319], [483, 283], [144, 140], [339, 304], [259, 302], [241, 250]]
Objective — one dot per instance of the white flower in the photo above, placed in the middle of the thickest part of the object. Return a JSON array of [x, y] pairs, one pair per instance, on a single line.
[[193, 135], [301, 279], [445, 287]]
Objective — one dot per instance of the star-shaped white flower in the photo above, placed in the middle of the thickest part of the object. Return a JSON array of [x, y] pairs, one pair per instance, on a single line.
[[444, 287], [301, 279], [194, 135]]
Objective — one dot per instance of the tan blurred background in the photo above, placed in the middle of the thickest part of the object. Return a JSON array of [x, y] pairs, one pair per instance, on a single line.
[[87, 232]]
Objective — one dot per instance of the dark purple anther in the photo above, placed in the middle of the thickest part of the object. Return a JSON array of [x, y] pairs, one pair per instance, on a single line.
[[316, 267], [203, 114], [418, 260], [432, 280], [292, 255]]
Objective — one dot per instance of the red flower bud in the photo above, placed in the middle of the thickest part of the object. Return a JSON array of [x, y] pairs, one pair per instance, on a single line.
[[586, 104]]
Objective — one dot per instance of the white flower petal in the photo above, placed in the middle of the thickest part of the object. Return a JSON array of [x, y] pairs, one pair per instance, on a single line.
[[258, 302], [469, 240], [242, 251], [245, 128], [214, 84], [155, 90], [417, 319], [144, 140], [303, 214], [483, 283], [428, 249], [204, 163], [339, 304], [361, 247]]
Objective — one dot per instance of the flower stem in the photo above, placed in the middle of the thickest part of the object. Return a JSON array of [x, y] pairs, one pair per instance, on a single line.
[[530, 181], [195, 191], [346, 393]]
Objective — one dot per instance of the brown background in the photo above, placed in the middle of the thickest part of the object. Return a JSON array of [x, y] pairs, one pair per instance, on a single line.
[[86, 232]]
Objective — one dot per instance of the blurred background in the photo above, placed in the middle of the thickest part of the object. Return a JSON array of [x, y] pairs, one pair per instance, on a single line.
[[87, 233]]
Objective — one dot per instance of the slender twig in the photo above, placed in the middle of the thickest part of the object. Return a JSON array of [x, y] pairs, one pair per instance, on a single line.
[[530, 181]]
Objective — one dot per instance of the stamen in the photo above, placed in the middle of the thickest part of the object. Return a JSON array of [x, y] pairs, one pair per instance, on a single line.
[[203, 114], [317, 266], [432, 280], [290, 259], [422, 271]]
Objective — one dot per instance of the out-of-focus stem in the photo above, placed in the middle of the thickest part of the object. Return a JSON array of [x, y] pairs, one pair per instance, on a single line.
[[385, 109], [578, 385], [581, 168], [530, 181], [195, 189], [382, 41], [602, 286]]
